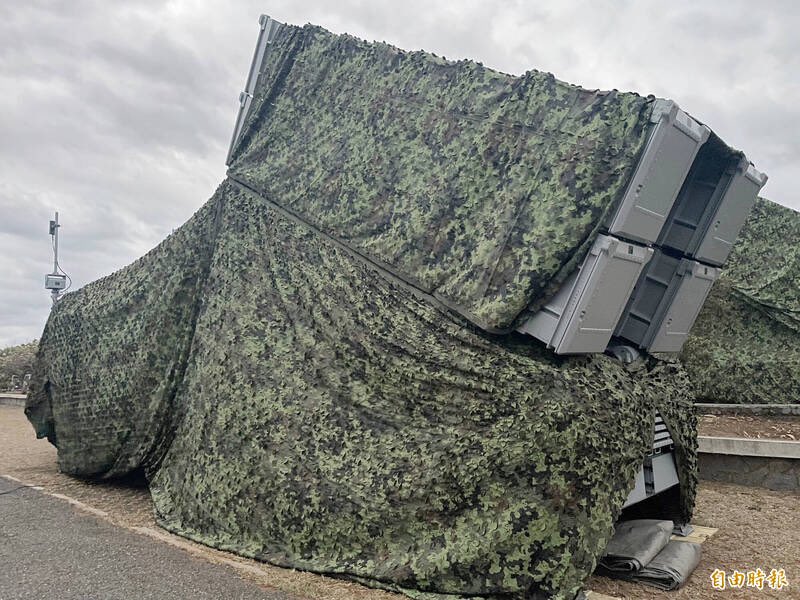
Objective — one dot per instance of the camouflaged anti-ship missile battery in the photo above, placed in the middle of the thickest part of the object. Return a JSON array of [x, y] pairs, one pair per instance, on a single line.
[[321, 369]]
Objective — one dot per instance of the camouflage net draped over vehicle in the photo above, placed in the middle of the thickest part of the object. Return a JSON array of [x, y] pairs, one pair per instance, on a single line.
[[328, 419], [300, 370], [745, 345], [483, 189]]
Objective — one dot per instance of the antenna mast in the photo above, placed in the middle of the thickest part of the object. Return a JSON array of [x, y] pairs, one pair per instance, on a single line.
[[56, 281]]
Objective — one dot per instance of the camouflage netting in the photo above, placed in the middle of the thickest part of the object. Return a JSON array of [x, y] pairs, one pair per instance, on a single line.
[[322, 417], [482, 189], [301, 370], [745, 345]]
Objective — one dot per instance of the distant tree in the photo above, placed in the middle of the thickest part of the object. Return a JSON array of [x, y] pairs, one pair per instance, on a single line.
[[15, 363]]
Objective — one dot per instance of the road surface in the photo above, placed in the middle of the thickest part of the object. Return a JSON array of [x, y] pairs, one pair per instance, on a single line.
[[49, 549]]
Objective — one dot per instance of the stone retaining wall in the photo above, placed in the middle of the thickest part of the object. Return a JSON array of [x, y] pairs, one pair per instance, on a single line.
[[759, 471], [12, 399], [772, 464]]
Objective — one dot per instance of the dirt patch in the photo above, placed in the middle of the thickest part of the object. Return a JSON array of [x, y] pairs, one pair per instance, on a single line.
[[750, 426], [757, 528]]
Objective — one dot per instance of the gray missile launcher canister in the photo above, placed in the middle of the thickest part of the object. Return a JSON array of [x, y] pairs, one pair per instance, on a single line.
[[681, 212]]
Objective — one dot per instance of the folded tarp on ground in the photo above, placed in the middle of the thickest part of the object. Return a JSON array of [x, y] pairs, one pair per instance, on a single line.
[[634, 545], [670, 569], [299, 369], [641, 550], [745, 345]]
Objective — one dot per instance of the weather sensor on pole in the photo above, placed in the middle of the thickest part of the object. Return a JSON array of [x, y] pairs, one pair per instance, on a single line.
[[56, 281]]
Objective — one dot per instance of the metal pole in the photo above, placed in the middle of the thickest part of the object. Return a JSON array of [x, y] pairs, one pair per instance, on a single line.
[[55, 247], [55, 293]]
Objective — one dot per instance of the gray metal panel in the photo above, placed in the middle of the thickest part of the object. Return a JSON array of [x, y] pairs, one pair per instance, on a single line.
[[731, 214], [639, 491], [582, 315], [542, 325], [660, 173], [647, 301], [712, 205], [664, 473], [692, 288], [698, 199], [593, 314], [658, 471], [666, 302], [662, 437], [268, 29]]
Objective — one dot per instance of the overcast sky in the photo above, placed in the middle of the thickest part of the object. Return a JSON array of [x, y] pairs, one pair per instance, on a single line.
[[119, 114]]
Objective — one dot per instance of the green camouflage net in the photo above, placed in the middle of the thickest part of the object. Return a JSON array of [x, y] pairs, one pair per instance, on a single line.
[[113, 355], [765, 265], [745, 345], [300, 370], [482, 189], [328, 419]]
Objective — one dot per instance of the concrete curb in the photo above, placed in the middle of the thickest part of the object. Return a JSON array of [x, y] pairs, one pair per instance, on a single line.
[[769, 410], [12, 399], [748, 447], [773, 464]]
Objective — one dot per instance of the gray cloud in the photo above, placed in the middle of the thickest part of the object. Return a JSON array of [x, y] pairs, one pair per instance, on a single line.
[[119, 114]]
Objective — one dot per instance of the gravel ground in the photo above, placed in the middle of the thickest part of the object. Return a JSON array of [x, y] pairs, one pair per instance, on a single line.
[[757, 528], [750, 426]]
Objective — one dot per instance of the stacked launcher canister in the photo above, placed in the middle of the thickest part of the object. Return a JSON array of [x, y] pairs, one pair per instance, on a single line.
[[648, 274]]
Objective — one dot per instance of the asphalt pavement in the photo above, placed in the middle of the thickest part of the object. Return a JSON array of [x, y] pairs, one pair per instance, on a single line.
[[51, 550]]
